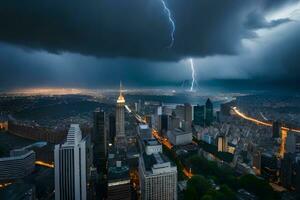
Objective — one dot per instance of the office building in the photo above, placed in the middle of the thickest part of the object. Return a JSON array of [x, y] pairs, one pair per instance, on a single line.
[[118, 180], [99, 138], [158, 177], [180, 137], [199, 115], [209, 112], [180, 112], [269, 166], [188, 113], [286, 170], [17, 165], [120, 139], [164, 124], [174, 123], [144, 132], [290, 144], [112, 128], [70, 166], [276, 129], [222, 143]]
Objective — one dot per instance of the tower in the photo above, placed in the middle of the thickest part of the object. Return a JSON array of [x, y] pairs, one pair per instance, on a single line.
[[99, 138], [199, 115], [70, 166], [120, 139], [209, 112]]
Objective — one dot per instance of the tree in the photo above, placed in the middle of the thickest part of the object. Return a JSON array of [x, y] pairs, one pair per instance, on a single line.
[[197, 186]]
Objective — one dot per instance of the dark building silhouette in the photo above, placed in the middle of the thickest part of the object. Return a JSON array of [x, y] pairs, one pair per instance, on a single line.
[[209, 112], [269, 166], [99, 138], [164, 122], [276, 129], [286, 170], [112, 128], [199, 115]]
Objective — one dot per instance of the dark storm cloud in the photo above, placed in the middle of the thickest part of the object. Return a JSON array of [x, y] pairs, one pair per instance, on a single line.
[[256, 20], [128, 28], [79, 42]]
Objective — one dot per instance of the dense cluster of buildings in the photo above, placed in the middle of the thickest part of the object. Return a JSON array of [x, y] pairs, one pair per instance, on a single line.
[[109, 164]]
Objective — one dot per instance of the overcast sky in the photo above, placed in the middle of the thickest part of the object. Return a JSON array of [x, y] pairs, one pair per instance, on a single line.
[[96, 43]]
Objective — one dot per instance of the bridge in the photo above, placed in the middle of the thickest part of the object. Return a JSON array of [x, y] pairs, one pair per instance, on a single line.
[[284, 129], [259, 122]]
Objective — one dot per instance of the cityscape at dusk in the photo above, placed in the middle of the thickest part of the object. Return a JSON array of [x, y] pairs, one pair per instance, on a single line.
[[150, 100]]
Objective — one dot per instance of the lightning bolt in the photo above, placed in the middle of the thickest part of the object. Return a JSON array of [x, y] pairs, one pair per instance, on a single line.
[[171, 21], [193, 74], [173, 29]]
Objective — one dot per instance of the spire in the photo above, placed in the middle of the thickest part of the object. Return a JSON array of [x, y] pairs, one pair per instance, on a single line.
[[121, 99], [121, 88]]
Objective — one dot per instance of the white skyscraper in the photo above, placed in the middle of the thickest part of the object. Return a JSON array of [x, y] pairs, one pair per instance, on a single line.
[[158, 177], [70, 166]]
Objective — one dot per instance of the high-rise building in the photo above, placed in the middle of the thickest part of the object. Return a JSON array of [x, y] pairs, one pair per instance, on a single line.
[[118, 179], [158, 177], [188, 113], [290, 144], [179, 111], [269, 166], [286, 170], [70, 166], [99, 138], [209, 112], [174, 123], [276, 129], [112, 127], [199, 115], [120, 139], [164, 124]]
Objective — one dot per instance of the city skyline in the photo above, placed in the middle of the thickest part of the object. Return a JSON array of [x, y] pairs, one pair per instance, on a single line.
[[150, 100]]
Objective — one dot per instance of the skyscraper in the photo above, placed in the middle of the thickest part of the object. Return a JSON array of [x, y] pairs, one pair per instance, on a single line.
[[112, 127], [158, 177], [290, 144], [120, 139], [70, 166], [199, 115], [188, 110], [286, 170], [209, 112], [99, 138]]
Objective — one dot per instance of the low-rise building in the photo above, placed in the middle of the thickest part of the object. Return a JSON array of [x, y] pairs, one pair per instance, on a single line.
[[180, 137]]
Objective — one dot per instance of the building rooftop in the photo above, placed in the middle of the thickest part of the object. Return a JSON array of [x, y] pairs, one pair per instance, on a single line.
[[151, 142], [178, 131], [118, 173], [155, 160]]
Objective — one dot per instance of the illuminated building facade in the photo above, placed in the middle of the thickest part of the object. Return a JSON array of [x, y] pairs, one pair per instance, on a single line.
[[120, 139]]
